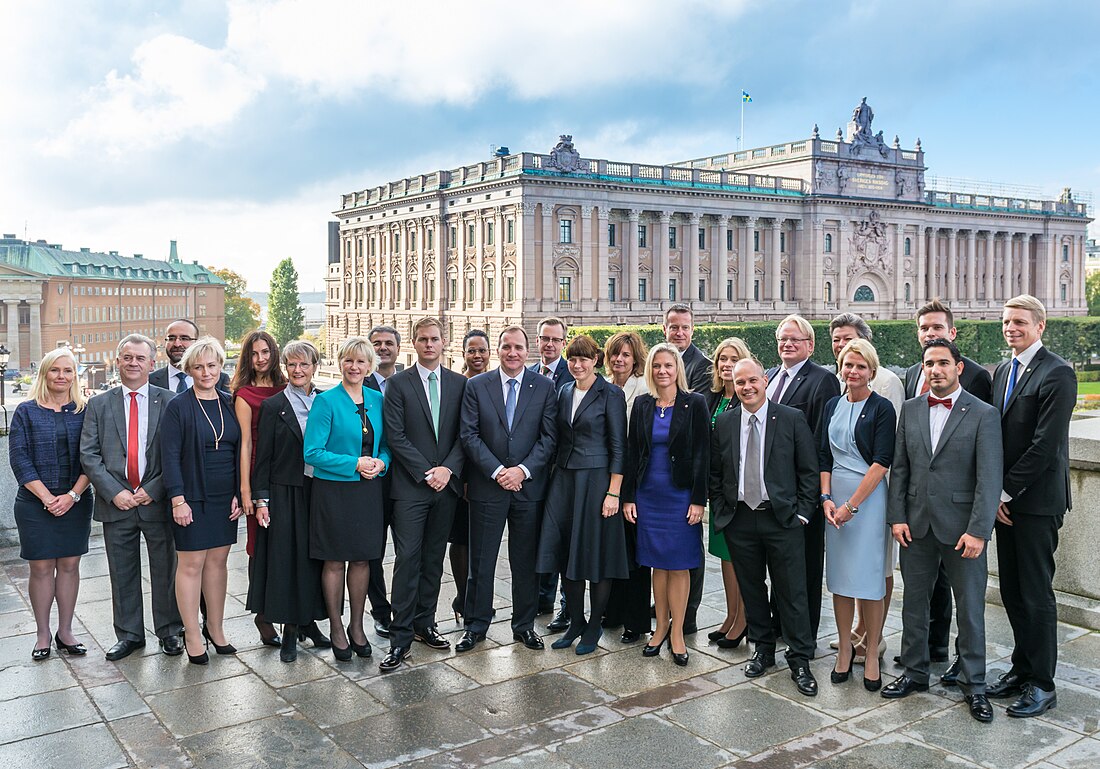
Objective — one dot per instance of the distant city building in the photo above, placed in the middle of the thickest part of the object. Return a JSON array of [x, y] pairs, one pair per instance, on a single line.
[[812, 226], [1092, 256], [50, 296]]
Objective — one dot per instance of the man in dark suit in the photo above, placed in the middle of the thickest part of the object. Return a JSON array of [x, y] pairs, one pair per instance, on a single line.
[[551, 338], [421, 412], [936, 321], [944, 489], [508, 432], [764, 483], [679, 327], [1037, 391], [802, 384], [180, 335], [120, 452], [386, 342]]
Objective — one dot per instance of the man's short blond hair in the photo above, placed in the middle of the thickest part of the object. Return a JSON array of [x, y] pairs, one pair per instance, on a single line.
[[1028, 302], [803, 325]]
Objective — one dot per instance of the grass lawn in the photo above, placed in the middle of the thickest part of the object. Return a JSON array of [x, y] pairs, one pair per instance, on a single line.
[[1088, 388]]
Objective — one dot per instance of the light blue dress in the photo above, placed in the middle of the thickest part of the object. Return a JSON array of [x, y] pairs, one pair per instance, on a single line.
[[854, 563]]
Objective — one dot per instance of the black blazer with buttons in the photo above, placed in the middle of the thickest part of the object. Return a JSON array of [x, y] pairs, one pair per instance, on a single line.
[[810, 390], [874, 432], [687, 441], [596, 436], [279, 448]]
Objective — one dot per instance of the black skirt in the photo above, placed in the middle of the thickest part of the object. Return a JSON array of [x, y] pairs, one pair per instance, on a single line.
[[345, 522], [284, 582], [42, 536], [576, 540]]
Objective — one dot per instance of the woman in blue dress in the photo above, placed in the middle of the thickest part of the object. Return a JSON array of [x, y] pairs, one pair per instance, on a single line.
[[857, 448], [665, 489]]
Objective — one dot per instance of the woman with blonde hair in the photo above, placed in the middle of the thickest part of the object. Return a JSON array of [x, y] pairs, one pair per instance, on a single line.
[[52, 514], [720, 398]]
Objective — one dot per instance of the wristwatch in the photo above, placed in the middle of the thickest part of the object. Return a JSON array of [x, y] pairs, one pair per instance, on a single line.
[[74, 495], [852, 508], [826, 498]]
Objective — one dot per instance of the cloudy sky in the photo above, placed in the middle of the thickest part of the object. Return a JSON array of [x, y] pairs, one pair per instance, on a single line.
[[233, 127]]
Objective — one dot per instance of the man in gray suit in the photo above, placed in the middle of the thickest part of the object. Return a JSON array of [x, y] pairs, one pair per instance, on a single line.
[[121, 455], [944, 489]]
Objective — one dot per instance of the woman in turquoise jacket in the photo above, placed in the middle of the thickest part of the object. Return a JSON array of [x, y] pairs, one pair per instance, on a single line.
[[345, 447]]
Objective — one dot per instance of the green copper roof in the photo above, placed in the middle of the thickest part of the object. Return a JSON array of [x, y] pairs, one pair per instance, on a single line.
[[54, 261]]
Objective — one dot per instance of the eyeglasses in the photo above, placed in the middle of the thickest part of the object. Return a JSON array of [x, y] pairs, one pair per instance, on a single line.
[[174, 338], [792, 339], [554, 339]]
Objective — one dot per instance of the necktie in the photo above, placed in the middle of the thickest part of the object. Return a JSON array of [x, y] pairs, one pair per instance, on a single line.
[[945, 402], [545, 370], [753, 494], [132, 447], [1011, 381], [181, 383], [433, 400], [779, 388], [510, 403]]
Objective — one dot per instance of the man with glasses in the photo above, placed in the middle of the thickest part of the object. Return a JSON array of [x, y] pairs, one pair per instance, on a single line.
[[180, 335], [802, 384]]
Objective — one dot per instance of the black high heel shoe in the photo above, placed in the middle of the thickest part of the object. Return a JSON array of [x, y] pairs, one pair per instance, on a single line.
[[872, 685], [838, 677], [226, 649], [731, 643], [362, 650], [653, 651], [313, 633], [288, 652], [679, 659], [268, 636], [77, 649]]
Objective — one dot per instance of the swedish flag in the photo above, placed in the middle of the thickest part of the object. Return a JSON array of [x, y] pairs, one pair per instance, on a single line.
[[745, 97]]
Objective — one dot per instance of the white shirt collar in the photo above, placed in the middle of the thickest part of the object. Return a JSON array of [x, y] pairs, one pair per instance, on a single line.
[[792, 372], [504, 377], [761, 414], [143, 391], [1027, 355], [553, 366], [173, 372], [424, 372], [953, 395]]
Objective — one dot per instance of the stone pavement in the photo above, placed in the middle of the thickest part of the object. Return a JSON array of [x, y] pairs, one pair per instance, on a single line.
[[500, 705]]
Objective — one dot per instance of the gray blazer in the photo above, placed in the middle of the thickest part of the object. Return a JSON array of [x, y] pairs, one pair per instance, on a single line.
[[955, 490], [103, 454]]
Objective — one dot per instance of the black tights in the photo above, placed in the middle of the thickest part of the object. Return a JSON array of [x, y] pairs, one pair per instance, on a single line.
[[598, 594]]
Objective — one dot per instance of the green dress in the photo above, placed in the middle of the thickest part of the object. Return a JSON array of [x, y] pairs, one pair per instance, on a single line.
[[716, 541]]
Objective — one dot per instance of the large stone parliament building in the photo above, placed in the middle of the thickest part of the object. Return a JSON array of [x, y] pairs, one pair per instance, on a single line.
[[813, 226]]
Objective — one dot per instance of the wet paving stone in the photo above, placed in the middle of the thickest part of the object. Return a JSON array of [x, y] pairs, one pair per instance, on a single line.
[[837, 700], [894, 715], [543, 759], [1083, 754], [628, 672], [332, 701], [1078, 709], [155, 673], [281, 742], [619, 746], [891, 751], [512, 704], [89, 747], [45, 713], [149, 744], [20, 680], [663, 696], [118, 700], [805, 751], [495, 664], [216, 704], [413, 685], [265, 663]]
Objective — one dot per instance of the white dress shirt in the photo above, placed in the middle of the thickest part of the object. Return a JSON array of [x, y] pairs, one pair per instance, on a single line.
[[173, 379], [938, 415], [143, 420], [381, 380], [424, 381], [792, 372], [504, 391], [762, 415]]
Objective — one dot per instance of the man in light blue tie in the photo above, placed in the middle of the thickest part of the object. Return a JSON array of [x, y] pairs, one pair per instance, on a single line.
[[508, 431]]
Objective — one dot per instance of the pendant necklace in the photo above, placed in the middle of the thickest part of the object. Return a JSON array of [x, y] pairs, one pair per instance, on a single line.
[[217, 435]]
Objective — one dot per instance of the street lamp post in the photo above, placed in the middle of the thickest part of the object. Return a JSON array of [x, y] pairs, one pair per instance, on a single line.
[[79, 350], [5, 354]]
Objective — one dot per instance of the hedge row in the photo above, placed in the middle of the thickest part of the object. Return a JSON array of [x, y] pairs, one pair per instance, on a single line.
[[1075, 339]]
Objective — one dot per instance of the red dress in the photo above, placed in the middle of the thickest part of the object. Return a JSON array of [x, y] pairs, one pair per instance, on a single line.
[[254, 396]]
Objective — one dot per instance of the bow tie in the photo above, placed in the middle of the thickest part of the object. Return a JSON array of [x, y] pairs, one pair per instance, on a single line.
[[945, 402]]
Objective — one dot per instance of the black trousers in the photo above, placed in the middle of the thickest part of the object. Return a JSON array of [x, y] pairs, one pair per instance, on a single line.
[[487, 520], [1025, 557], [377, 594], [420, 531], [814, 548], [759, 545]]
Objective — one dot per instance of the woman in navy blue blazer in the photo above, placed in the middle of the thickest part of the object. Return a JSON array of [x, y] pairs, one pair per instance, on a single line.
[[346, 446], [53, 520]]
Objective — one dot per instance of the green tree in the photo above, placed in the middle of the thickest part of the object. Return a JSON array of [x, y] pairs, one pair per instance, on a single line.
[[1092, 293], [285, 314], [241, 313]]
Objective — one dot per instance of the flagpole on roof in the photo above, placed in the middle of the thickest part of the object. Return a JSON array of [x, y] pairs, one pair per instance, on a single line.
[[741, 137]]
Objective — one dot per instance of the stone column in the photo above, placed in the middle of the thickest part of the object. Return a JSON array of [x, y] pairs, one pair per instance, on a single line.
[[773, 273], [479, 260], [525, 254], [934, 287], [951, 274], [1026, 278], [549, 294], [796, 281], [971, 265], [586, 274], [691, 260], [920, 291], [418, 229], [746, 262], [898, 300], [719, 259], [661, 257], [1079, 272], [817, 259], [603, 258], [498, 262], [13, 333], [36, 331], [1008, 281], [631, 273], [988, 262], [841, 265]]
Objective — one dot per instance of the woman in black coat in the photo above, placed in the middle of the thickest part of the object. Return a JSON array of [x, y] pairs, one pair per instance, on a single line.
[[285, 584]]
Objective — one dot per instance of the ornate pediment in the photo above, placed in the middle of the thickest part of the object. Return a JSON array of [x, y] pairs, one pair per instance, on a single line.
[[564, 157], [869, 247]]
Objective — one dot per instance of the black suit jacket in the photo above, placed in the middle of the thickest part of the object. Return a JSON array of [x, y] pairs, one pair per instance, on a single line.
[[1035, 433], [809, 392], [489, 443], [790, 466], [596, 436], [974, 379], [562, 374], [697, 369], [160, 379], [279, 447], [687, 436], [408, 421]]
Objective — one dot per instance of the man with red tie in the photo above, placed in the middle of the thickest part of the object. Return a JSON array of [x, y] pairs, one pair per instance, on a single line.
[[121, 455]]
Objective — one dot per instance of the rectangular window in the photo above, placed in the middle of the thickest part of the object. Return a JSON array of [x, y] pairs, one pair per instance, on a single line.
[[782, 290], [431, 239], [611, 289], [756, 290], [729, 240], [469, 235], [470, 288], [373, 246], [565, 231], [611, 235], [702, 237], [511, 231], [397, 242], [413, 295], [641, 236], [490, 293], [510, 289], [453, 290], [702, 290], [490, 233], [565, 289], [642, 290], [782, 242], [1063, 292], [756, 241], [672, 289], [431, 287], [397, 291], [24, 315], [672, 237], [1065, 258], [453, 234], [412, 241], [729, 290]]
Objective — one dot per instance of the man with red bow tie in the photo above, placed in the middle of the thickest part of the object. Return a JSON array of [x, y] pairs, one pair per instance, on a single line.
[[945, 485]]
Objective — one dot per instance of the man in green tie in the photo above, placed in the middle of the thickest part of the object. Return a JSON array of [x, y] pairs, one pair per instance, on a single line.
[[421, 417]]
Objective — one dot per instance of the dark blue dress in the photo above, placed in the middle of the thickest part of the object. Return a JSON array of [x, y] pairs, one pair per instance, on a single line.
[[210, 525], [665, 539]]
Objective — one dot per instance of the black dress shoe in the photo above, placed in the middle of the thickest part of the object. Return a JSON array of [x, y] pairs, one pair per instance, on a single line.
[[1008, 685], [680, 659], [288, 651], [758, 664], [1033, 702], [123, 648], [714, 635], [171, 645], [902, 687], [469, 640], [950, 676], [630, 636], [980, 708], [77, 649], [313, 633], [730, 643], [361, 650], [804, 680], [382, 627], [432, 637], [530, 639], [393, 660], [559, 623]]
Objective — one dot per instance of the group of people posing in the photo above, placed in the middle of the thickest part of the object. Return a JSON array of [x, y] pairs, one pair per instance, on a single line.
[[603, 482]]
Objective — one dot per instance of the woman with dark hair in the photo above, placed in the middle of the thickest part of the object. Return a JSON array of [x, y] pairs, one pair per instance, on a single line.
[[475, 356], [582, 536], [52, 513], [258, 377]]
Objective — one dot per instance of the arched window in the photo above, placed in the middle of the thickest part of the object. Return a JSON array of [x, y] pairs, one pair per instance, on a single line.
[[828, 291], [908, 293], [864, 294], [828, 243], [908, 246]]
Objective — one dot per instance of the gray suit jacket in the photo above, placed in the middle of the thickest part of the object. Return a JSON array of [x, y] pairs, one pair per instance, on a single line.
[[103, 454], [956, 489]]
